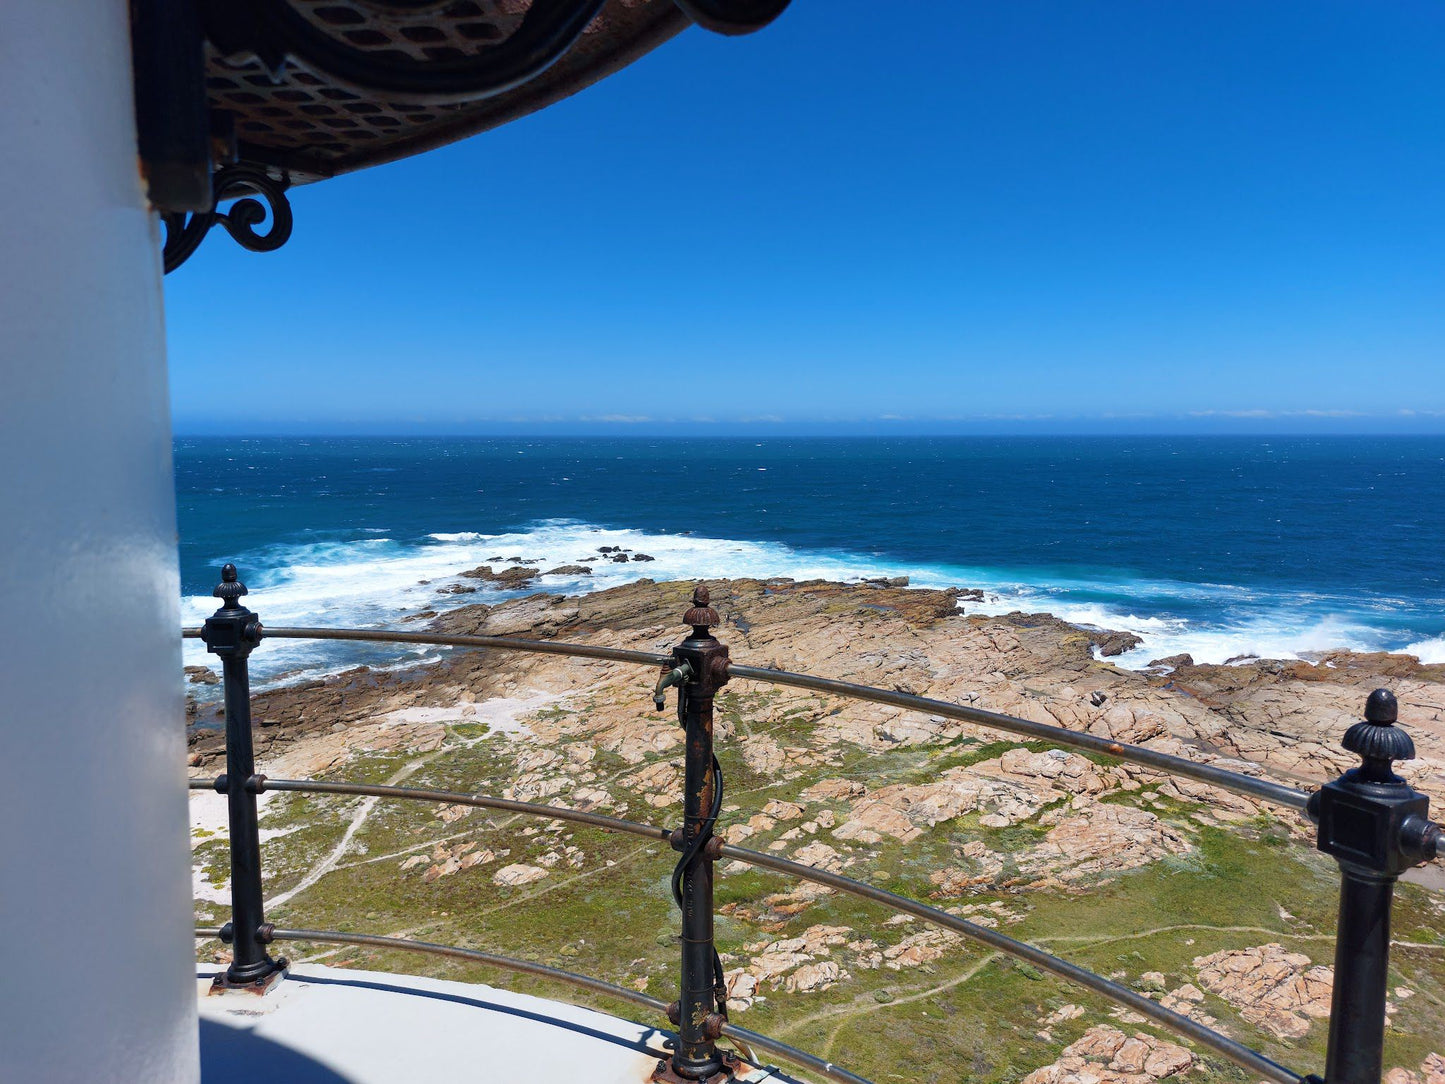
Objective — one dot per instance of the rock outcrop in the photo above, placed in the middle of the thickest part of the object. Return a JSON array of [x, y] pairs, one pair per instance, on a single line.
[[1277, 990], [1105, 1055]]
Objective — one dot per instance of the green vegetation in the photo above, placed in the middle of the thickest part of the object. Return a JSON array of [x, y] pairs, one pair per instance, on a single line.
[[608, 913]]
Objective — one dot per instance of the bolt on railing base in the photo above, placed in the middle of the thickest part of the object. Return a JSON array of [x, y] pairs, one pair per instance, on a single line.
[[733, 1069], [222, 982], [256, 977]]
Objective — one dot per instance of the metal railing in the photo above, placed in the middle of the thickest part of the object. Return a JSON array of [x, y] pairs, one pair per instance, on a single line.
[[1369, 820]]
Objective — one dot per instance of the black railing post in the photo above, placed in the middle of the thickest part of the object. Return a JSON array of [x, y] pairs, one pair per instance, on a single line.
[[231, 633], [701, 1009], [1376, 827]]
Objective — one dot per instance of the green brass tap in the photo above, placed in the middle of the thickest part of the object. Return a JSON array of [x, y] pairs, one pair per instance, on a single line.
[[679, 676]]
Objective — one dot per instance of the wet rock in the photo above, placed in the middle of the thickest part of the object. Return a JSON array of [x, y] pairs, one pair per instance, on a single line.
[[202, 675], [1110, 643], [1173, 662], [509, 577], [569, 570]]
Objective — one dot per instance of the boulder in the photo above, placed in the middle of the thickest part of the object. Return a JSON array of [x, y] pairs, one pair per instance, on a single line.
[[509, 577], [518, 874], [1110, 643], [1105, 1055], [818, 976], [202, 675], [1274, 989], [1173, 662]]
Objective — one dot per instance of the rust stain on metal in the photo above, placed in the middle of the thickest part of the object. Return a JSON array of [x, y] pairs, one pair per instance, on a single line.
[[734, 1069]]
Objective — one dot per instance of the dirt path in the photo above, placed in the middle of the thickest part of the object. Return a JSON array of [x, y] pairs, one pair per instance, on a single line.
[[333, 860]]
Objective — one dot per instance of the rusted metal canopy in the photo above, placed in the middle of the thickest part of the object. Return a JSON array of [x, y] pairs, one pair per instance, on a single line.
[[237, 101], [313, 124]]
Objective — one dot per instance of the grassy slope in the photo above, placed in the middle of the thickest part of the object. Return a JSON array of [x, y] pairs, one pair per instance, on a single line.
[[613, 918]]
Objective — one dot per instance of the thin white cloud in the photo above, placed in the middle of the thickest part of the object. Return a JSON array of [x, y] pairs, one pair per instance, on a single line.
[[1259, 412]]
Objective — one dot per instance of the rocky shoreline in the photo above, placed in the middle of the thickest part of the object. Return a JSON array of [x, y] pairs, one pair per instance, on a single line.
[[1010, 833], [1282, 717]]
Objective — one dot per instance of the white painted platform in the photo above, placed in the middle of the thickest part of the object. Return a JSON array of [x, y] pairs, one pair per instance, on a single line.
[[324, 1025]]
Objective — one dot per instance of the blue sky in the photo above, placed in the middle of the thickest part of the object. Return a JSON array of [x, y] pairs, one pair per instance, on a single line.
[[926, 216]]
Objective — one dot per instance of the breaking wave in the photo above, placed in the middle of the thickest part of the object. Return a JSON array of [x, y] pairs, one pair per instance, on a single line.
[[381, 580]]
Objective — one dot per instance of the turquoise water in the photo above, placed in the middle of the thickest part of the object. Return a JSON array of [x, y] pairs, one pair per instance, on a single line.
[[1220, 546]]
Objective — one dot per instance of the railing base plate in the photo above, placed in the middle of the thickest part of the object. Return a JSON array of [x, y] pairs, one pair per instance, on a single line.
[[734, 1068], [260, 987]]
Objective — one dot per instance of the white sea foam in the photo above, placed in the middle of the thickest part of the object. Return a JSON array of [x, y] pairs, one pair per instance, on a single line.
[[1431, 650], [378, 581]]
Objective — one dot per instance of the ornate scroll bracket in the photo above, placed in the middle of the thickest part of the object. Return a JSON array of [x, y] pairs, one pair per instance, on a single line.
[[184, 233]]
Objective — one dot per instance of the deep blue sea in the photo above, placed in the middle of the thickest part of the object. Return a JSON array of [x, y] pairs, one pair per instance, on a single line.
[[1218, 546]]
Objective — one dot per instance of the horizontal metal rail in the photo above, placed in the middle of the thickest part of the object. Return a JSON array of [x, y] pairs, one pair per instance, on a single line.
[[447, 797], [742, 1036], [1176, 1022], [498, 643], [1249, 786]]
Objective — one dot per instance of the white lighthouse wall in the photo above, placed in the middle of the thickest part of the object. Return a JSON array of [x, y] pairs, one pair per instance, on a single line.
[[96, 971]]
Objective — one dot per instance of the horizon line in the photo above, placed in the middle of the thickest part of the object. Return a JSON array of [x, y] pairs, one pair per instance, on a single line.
[[673, 433]]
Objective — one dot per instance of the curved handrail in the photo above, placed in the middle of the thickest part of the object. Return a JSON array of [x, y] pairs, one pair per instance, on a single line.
[[1176, 1022], [447, 797], [742, 1036], [500, 643], [1182, 1025], [1262, 789], [1248, 785]]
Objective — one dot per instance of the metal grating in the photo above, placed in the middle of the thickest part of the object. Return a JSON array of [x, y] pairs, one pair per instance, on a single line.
[[309, 128]]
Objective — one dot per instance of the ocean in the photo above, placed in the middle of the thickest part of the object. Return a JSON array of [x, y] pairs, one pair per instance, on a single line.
[[1217, 546]]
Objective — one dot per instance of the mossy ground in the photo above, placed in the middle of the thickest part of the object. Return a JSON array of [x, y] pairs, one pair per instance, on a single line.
[[971, 1012]]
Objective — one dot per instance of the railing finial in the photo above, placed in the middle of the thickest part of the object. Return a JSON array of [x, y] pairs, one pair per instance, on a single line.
[[230, 588], [1377, 740], [702, 616], [1376, 826]]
